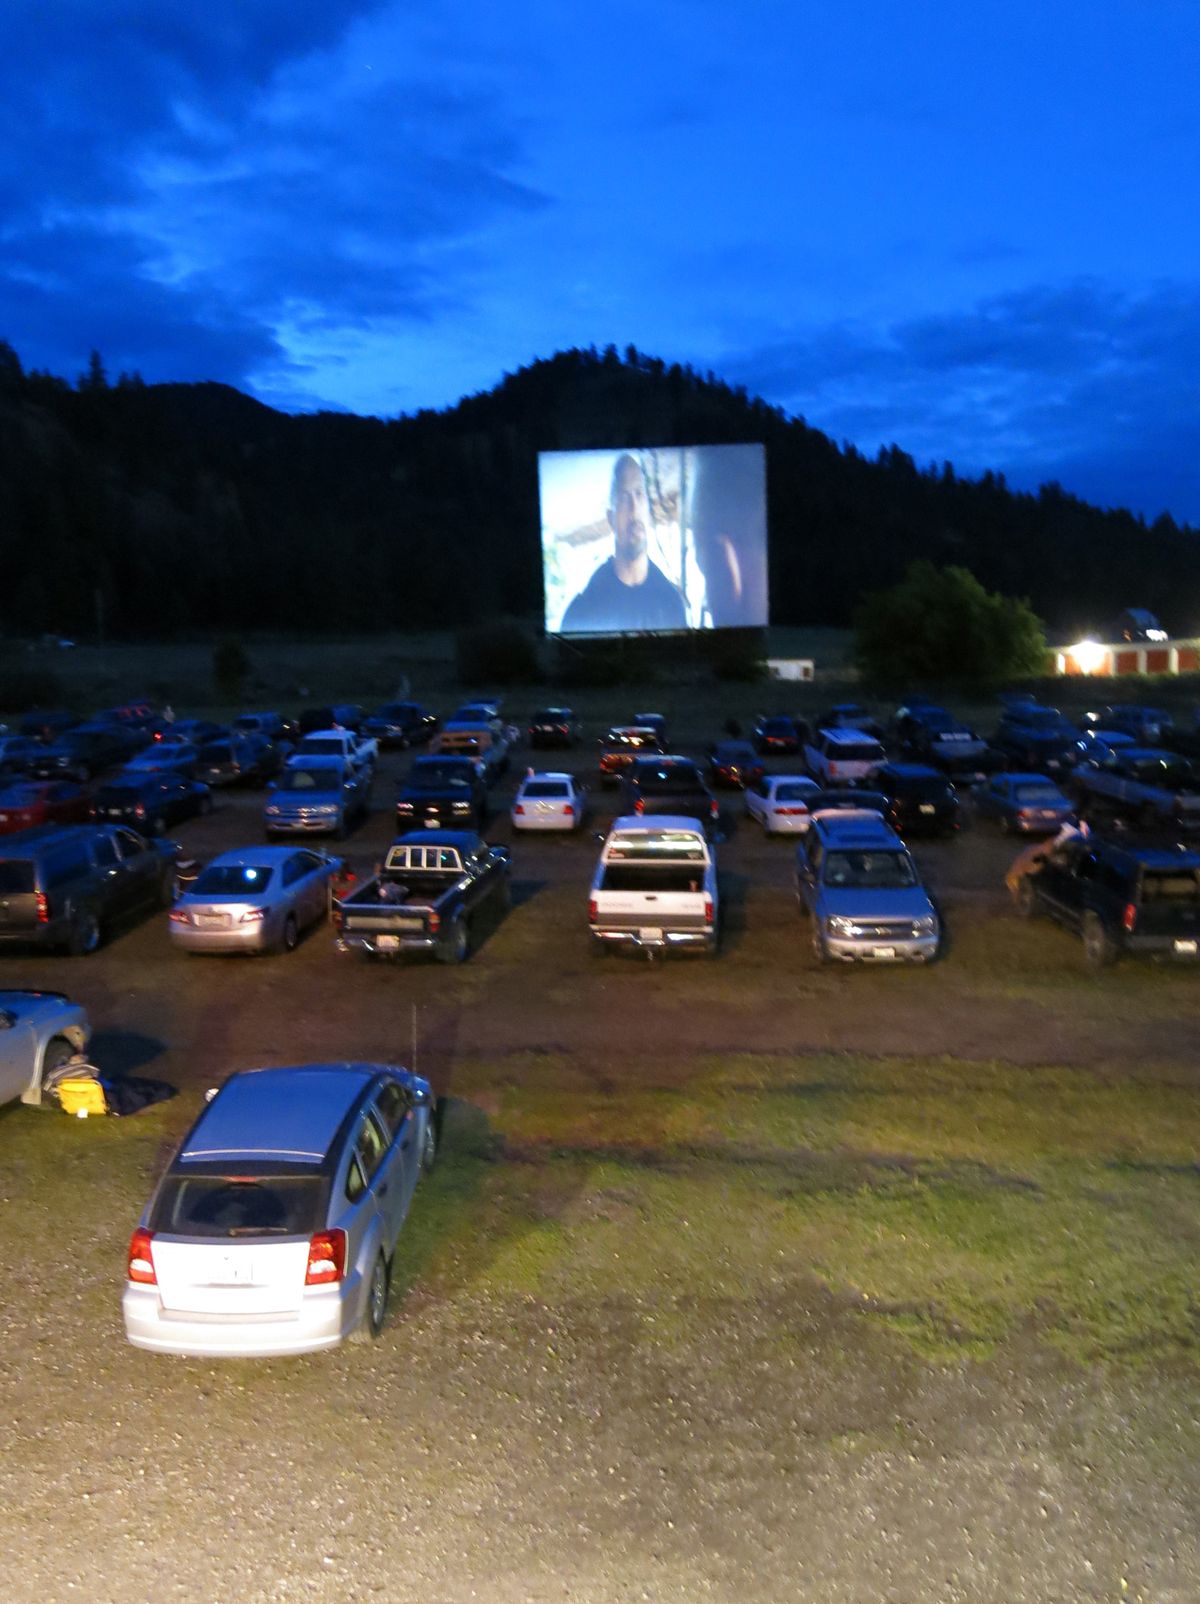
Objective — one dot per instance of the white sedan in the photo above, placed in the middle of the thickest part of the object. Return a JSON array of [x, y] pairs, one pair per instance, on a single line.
[[549, 802], [780, 803]]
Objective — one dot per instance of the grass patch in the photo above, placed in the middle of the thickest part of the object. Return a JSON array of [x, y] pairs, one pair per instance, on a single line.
[[952, 1204]]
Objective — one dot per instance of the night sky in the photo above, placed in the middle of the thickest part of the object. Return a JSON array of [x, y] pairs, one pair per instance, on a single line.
[[968, 231]]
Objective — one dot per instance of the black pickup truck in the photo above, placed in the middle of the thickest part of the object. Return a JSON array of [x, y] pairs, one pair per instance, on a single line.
[[672, 785], [444, 793], [423, 899]]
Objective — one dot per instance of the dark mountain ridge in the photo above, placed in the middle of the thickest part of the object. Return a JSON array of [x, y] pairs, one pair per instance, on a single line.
[[193, 507]]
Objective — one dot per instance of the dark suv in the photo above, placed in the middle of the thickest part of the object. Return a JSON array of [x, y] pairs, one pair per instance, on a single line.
[[1120, 898], [61, 885], [668, 785], [920, 800], [442, 792]]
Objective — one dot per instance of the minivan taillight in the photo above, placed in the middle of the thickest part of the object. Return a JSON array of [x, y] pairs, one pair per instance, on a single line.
[[326, 1259], [140, 1267], [593, 910], [1129, 917], [708, 909], [640, 805], [434, 921], [43, 908], [714, 809]]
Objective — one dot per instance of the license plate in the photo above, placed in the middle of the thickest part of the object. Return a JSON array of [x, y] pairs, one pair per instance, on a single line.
[[1185, 948], [431, 824], [3, 818], [388, 943], [927, 807], [212, 921], [883, 952], [652, 933]]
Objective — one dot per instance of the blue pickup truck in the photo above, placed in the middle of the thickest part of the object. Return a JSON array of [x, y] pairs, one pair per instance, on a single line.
[[317, 795], [1151, 786]]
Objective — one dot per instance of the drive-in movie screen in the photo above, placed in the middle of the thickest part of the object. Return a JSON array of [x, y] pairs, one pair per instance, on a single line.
[[653, 539]]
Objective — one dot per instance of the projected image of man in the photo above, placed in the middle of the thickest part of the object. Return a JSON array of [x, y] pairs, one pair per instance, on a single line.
[[627, 591]]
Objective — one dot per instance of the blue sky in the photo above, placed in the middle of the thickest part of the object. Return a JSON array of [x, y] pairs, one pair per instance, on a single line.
[[968, 231]]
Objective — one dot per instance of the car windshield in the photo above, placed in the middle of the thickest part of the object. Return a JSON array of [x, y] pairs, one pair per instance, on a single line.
[[439, 777], [239, 1205], [870, 871], [308, 779], [1037, 793], [546, 788], [669, 778], [233, 879]]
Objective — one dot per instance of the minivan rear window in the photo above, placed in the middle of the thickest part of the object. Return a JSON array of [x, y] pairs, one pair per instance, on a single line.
[[15, 877], [239, 1205]]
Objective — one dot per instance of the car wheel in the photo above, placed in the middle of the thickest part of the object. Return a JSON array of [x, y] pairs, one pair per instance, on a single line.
[[85, 934], [818, 944], [58, 1052], [1099, 949], [166, 888], [371, 1324], [291, 934], [1026, 901], [454, 944]]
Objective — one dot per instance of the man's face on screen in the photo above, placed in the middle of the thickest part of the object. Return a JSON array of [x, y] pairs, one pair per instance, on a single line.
[[630, 514]]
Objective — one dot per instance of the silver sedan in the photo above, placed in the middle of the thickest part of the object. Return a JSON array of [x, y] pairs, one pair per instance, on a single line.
[[257, 899]]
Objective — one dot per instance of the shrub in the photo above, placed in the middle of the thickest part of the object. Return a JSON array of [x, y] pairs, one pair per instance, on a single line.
[[230, 668], [502, 652]]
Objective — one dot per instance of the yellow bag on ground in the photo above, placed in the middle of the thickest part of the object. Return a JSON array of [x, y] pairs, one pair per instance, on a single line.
[[82, 1094]]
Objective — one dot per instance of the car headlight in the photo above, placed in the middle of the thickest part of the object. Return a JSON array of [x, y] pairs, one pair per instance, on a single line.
[[839, 926], [462, 807], [325, 807], [404, 807], [926, 925]]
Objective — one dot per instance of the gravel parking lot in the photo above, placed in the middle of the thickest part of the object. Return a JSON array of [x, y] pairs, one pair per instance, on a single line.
[[500, 1445]]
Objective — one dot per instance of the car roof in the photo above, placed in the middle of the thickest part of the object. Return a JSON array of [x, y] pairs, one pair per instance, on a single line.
[[289, 1114], [840, 735], [656, 823]]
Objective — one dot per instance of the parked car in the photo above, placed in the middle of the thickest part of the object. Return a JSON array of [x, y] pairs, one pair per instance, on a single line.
[[18, 753], [670, 785], [734, 764], [1120, 898], [425, 897], [401, 724], [169, 757], [85, 751], [1024, 804], [862, 888], [65, 885], [843, 755], [239, 760], [1147, 725], [318, 794], [780, 803], [339, 716], [281, 731], [1036, 738], [150, 803], [254, 899], [850, 716], [40, 1031], [442, 793], [655, 888], [621, 745], [834, 799], [193, 732], [34, 802], [554, 726], [920, 800], [45, 725], [653, 721], [274, 1227], [777, 736], [930, 734], [1147, 785], [548, 801]]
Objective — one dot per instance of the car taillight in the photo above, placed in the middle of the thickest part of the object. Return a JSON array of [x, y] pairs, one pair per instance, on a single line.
[[592, 910], [708, 909], [326, 1259], [43, 908], [140, 811], [714, 809], [140, 1266], [1025, 813], [519, 807], [435, 921], [640, 805], [568, 811], [790, 813], [1129, 917]]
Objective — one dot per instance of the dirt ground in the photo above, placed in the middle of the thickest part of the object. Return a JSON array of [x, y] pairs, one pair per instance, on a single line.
[[506, 1449]]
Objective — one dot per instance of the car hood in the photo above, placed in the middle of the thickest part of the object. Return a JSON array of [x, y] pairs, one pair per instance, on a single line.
[[912, 902], [306, 799]]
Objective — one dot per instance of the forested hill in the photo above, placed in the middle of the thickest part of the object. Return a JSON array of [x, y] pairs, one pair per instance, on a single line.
[[194, 508]]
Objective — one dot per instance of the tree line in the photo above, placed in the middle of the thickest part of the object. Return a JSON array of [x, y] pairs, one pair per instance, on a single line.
[[143, 510]]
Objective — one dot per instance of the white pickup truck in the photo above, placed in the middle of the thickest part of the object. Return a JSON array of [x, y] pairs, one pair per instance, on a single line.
[[355, 751], [655, 886]]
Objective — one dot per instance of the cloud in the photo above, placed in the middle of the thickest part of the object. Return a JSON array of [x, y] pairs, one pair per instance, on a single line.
[[247, 173], [1079, 382]]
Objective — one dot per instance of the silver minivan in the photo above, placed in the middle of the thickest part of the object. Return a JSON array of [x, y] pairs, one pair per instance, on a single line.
[[274, 1228]]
